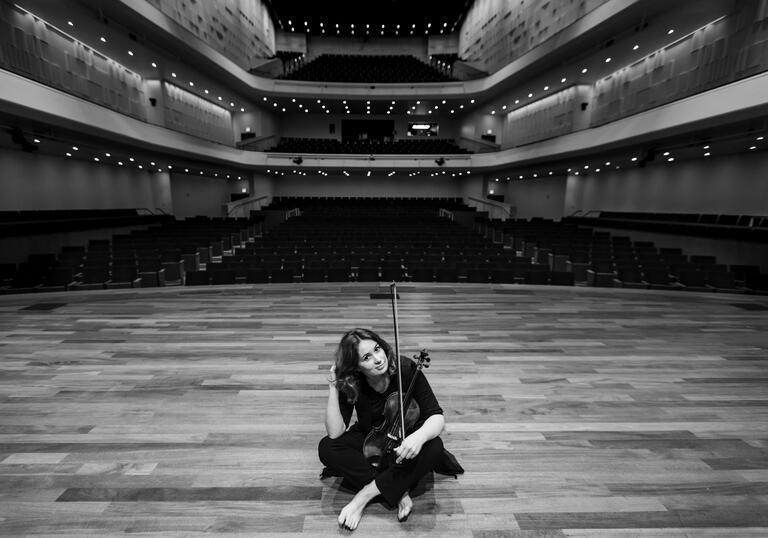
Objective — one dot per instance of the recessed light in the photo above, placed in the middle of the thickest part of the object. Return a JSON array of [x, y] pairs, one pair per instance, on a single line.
[[530, 95], [36, 140], [670, 159], [666, 153], [671, 31], [131, 159], [752, 147], [562, 80], [760, 138], [70, 23], [120, 163], [75, 148], [634, 159], [636, 47], [608, 60], [192, 84], [130, 53], [103, 39], [154, 64], [546, 88], [68, 154], [707, 154], [706, 147], [584, 70], [96, 159], [173, 75], [107, 154]]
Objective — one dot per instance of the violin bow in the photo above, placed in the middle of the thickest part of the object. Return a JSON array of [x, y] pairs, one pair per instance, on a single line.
[[393, 291]]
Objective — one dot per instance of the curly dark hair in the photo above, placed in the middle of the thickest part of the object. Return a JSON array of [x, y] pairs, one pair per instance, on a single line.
[[348, 375]]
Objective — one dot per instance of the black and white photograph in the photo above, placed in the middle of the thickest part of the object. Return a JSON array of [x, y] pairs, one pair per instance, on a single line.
[[445, 268]]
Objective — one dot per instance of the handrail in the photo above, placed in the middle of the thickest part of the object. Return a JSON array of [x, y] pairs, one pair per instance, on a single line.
[[253, 200], [493, 207]]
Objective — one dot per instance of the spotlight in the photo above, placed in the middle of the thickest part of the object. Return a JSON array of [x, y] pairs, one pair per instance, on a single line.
[[439, 161], [298, 160]]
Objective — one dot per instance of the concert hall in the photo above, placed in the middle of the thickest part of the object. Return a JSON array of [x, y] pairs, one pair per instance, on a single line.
[[253, 254]]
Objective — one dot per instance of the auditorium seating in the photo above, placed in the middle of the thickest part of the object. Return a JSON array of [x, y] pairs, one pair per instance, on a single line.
[[341, 239], [368, 68], [418, 146]]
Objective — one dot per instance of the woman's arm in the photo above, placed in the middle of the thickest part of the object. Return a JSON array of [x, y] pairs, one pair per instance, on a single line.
[[334, 421], [411, 445]]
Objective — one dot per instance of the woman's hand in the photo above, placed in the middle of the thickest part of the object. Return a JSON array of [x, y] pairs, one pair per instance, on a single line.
[[409, 448], [332, 376]]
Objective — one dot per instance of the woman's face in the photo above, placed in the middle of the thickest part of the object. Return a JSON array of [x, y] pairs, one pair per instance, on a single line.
[[372, 359]]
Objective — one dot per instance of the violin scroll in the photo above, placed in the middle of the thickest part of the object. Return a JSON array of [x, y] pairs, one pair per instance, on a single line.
[[422, 359]]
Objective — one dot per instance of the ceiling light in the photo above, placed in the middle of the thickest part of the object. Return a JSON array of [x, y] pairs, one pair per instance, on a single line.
[[634, 159], [670, 159], [96, 159], [75, 148], [107, 154], [584, 70], [546, 88], [530, 95], [120, 163], [706, 147], [103, 39], [192, 84], [68, 154], [666, 153], [130, 53], [671, 31], [752, 147], [760, 138], [70, 23], [173, 75], [707, 154], [636, 47], [154, 64], [608, 60]]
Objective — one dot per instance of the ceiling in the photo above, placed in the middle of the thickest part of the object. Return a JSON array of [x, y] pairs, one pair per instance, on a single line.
[[394, 18]]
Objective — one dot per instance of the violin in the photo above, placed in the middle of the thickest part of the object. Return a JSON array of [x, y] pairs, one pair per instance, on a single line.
[[384, 438], [401, 412]]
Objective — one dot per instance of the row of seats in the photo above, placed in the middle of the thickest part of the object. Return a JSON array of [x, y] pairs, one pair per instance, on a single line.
[[422, 146], [369, 68], [736, 227], [23, 223]]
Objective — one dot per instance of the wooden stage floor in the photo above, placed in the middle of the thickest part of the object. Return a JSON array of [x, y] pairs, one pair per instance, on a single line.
[[575, 411]]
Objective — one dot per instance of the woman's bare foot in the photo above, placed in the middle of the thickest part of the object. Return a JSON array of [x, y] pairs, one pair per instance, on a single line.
[[404, 507], [350, 515]]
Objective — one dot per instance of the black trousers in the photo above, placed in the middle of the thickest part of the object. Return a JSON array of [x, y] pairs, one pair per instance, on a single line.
[[344, 456]]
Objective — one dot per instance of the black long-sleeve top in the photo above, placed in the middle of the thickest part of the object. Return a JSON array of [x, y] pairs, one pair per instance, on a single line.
[[370, 403]]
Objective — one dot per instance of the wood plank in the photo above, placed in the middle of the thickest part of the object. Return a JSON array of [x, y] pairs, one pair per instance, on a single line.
[[575, 411]]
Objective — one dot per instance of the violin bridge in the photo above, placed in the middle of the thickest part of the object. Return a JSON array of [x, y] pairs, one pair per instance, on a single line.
[[393, 437]]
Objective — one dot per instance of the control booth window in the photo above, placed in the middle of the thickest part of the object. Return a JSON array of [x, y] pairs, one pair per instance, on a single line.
[[423, 129]]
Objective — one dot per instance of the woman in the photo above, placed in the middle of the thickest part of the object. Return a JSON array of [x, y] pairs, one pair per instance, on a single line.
[[364, 374]]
